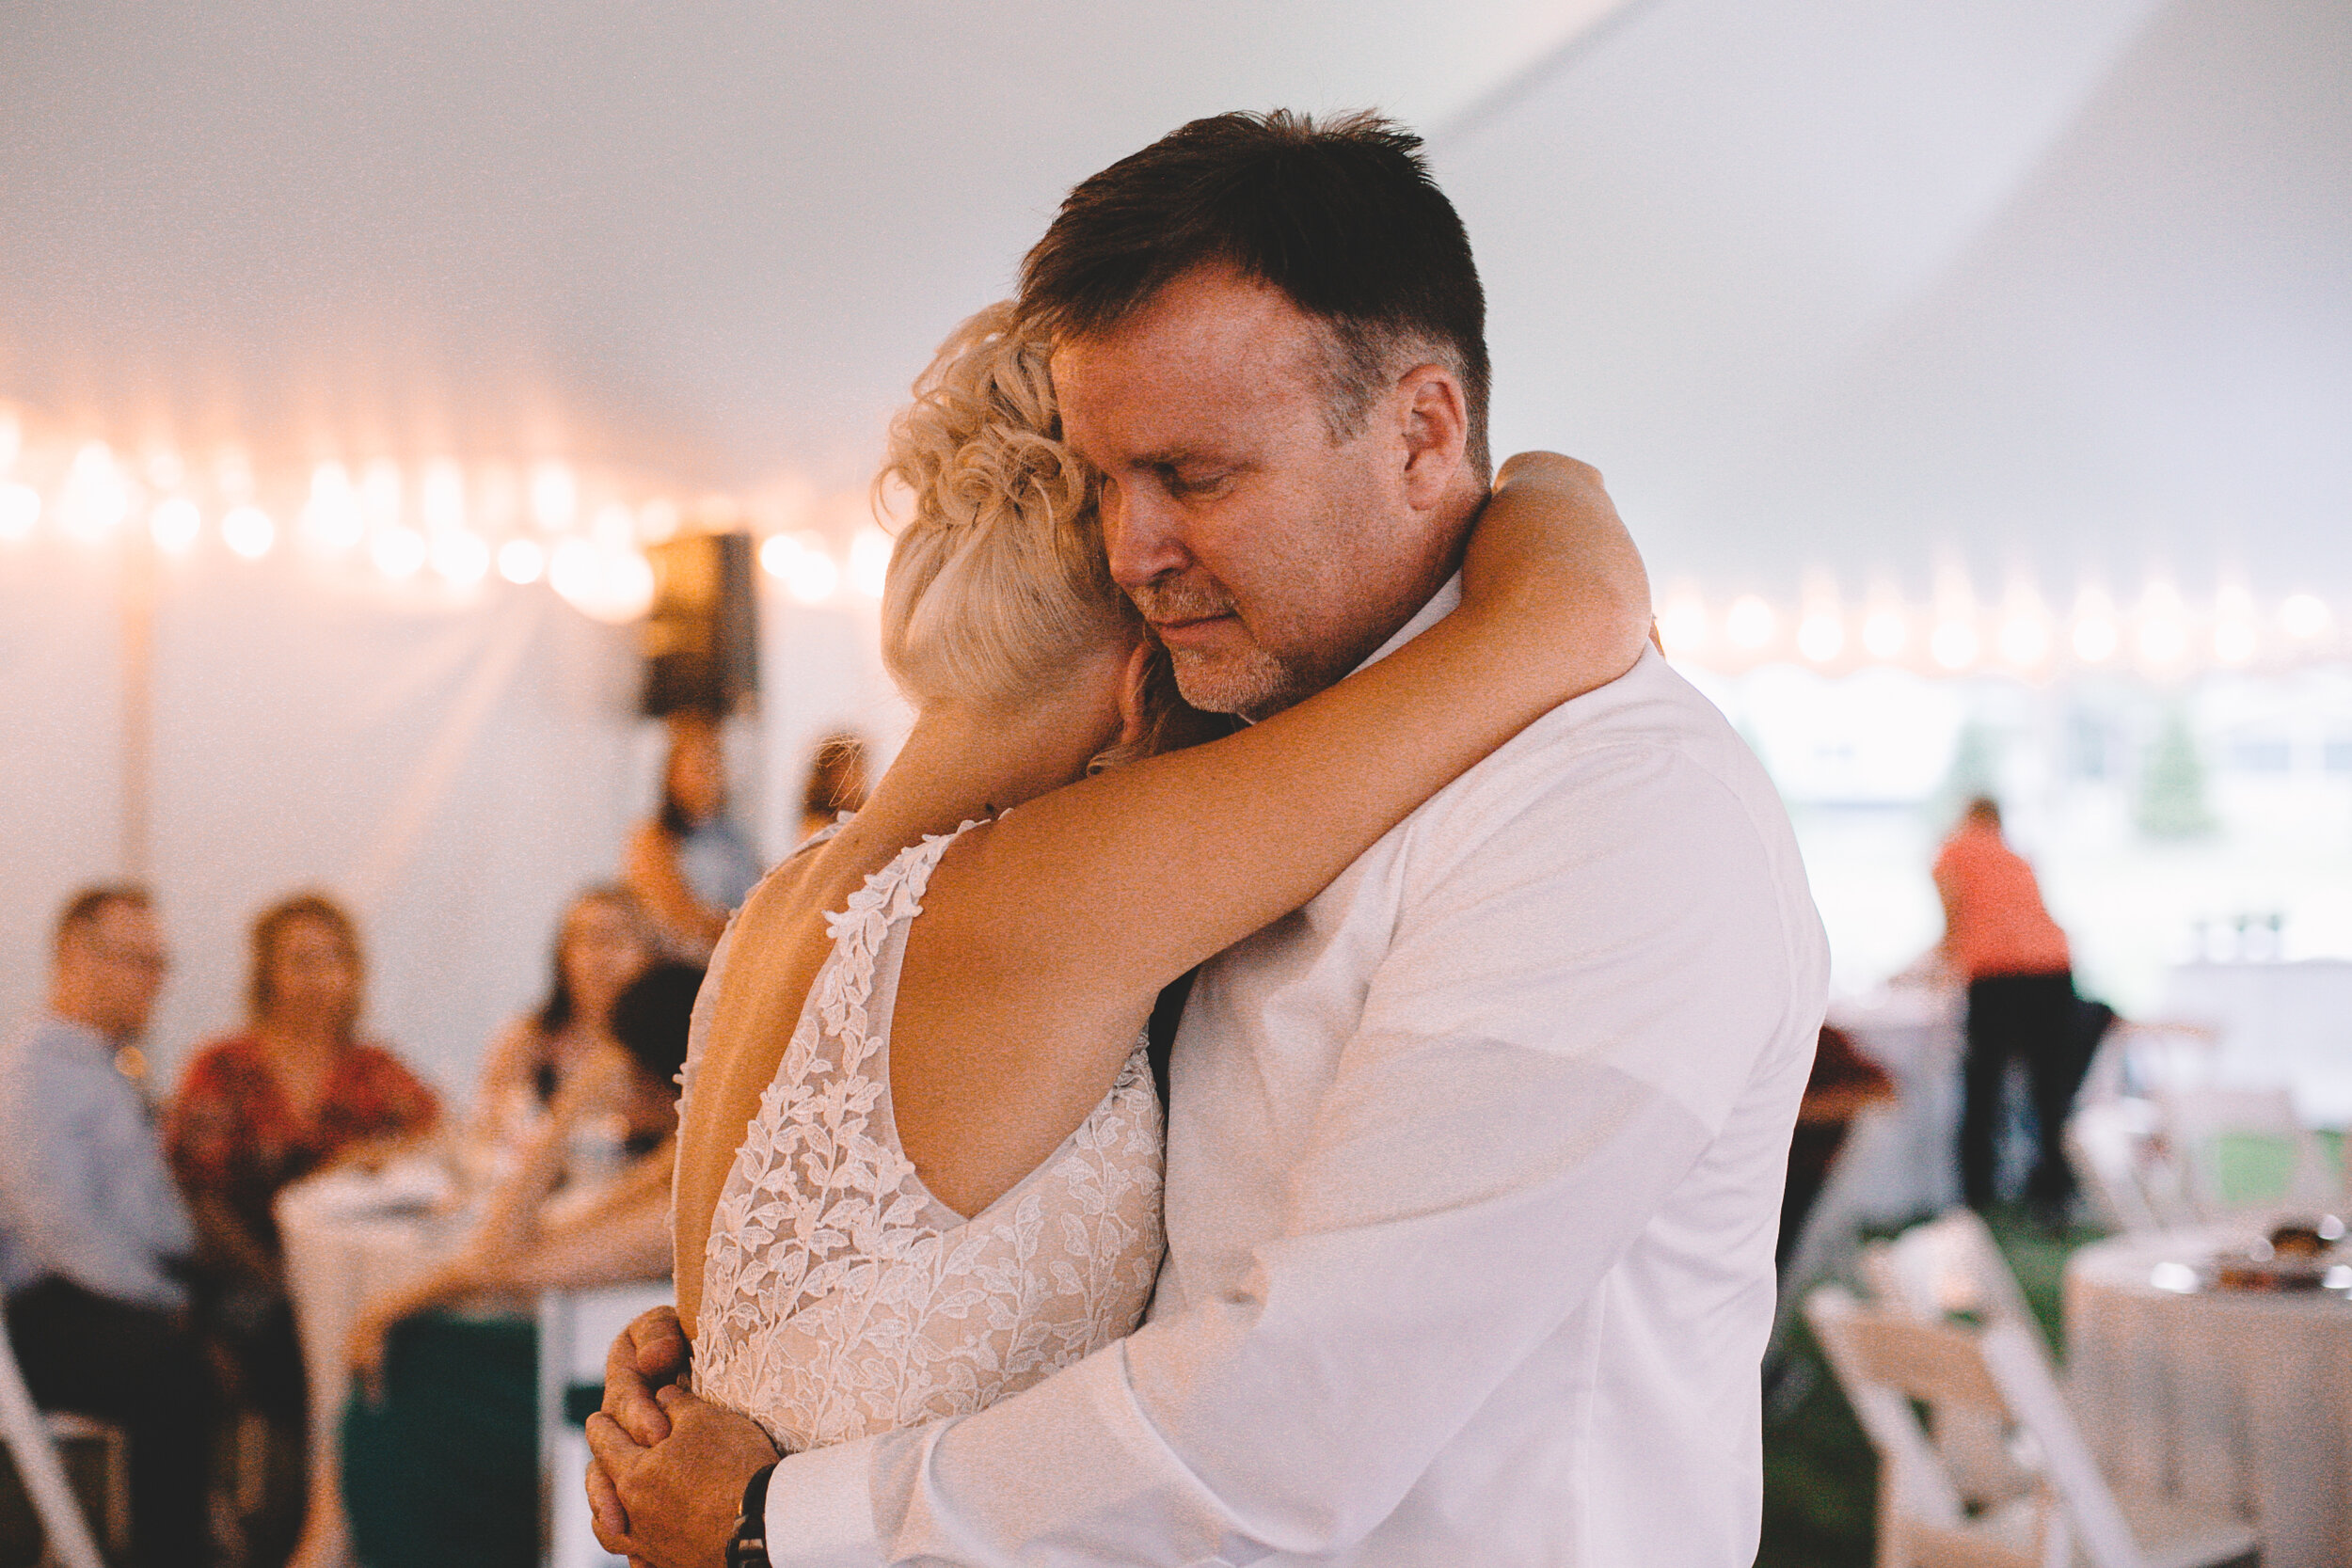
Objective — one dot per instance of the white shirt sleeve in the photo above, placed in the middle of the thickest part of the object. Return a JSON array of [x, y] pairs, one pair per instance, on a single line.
[[1582, 980]]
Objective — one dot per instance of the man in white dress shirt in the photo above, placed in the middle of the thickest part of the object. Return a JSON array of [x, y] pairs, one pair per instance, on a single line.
[[1474, 1163]]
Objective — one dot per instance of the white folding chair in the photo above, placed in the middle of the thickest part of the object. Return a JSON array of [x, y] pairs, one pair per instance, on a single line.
[[32, 1436], [2052, 1510], [576, 1328], [1950, 1265], [2198, 1121], [2127, 1168]]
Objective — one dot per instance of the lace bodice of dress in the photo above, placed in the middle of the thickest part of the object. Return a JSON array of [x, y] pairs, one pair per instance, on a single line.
[[841, 1298]]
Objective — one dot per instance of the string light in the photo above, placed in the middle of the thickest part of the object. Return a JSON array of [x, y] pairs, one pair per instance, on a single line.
[[1821, 628], [442, 497], [174, 524], [522, 561], [20, 511], [869, 561], [2304, 617], [2236, 642], [1953, 644], [248, 531], [1886, 629], [1682, 625], [397, 553], [603, 581], [1750, 624], [2163, 640], [554, 497], [459, 557], [331, 519], [2025, 635], [96, 497], [2096, 635]]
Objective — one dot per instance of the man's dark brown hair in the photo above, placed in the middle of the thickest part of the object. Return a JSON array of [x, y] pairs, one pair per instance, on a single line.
[[85, 907], [1341, 217]]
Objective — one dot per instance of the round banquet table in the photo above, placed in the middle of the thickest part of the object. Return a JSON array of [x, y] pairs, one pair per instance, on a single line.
[[2240, 1400], [349, 1235]]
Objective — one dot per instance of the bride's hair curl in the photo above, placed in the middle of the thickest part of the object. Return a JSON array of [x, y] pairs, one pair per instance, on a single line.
[[998, 580]]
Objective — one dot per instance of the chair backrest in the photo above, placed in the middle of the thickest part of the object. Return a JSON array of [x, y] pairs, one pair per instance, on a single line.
[[1949, 1265], [26, 1432], [1890, 1364], [576, 1328], [2246, 1150], [2128, 1168]]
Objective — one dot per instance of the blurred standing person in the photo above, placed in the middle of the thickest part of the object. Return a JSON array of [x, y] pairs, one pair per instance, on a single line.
[[2001, 943], [293, 1093], [836, 782], [91, 1231], [603, 944], [690, 866]]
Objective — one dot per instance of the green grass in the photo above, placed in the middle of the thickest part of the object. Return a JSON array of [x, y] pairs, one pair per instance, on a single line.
[[1821, 1478]]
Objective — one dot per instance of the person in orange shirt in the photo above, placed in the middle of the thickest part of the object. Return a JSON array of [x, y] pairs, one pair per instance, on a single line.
[[1999, 938]]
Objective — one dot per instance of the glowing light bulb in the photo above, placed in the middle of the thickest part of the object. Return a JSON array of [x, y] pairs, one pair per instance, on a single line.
[[1953, 644], [1682, 626], [20, 509], [777, 552], [11, 438], [96, 497], [2304, 617], [554, 497], [2234, 642], [459, 556], [2025, 640], [522, 561], [441, 499], [248, 533], [869, 561], [814, 576], [1751, 623], [2096, 635], [2163, 638], [1822, 636], [174, 524], [397, 553], [602, 581], [331, 519], [657, 520]]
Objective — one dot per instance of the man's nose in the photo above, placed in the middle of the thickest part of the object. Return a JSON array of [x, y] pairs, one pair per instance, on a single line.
[[1142, 537]]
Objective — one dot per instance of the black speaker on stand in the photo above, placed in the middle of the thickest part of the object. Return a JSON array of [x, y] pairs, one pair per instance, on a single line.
[[702, 634]]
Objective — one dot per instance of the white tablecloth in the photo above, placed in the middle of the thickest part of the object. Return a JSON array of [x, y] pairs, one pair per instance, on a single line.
[[347, 1236], [1904, 1163], [2232, 1399]]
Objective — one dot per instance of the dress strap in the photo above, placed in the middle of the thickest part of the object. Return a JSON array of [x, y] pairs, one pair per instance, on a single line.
[[890, 898]]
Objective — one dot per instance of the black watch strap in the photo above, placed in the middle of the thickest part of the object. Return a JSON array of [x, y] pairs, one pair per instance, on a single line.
[[748, 1546]]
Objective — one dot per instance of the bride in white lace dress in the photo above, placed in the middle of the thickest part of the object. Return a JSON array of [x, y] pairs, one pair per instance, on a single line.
[[920, 1152]]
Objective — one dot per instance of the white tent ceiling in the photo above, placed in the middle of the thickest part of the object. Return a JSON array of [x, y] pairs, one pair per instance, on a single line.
[[1818, 282]]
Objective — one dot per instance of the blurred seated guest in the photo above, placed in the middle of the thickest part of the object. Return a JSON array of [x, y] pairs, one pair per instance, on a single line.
[[836, 782], [92, 1231], [690, 866], [603, 944], [440, 1441], [1842, 1083], [296, 1092], [2000, 941]]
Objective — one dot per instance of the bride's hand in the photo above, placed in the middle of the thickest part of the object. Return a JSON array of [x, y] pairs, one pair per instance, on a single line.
[[1549, 550]]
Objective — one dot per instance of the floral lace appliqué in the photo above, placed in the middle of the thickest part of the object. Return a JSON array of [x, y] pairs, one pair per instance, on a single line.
[[841, 1298]]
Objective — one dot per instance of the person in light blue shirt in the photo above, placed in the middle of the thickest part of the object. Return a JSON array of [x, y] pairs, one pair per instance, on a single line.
[[93, 1230]]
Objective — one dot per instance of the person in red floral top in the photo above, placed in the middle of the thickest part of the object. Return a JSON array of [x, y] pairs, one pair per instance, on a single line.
[[295, 1092]]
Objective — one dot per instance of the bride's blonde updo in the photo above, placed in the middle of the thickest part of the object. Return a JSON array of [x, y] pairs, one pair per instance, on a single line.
[[997, 582]]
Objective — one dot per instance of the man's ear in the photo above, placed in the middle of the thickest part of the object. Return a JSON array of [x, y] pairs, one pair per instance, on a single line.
[[1436, 426]]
